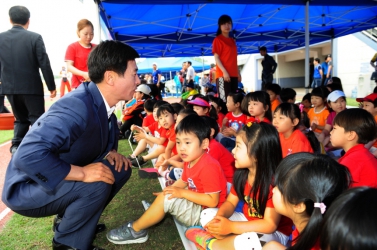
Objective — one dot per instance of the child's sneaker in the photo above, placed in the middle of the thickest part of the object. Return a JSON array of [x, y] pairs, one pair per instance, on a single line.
[[199, 236], [139, 159], [146, 205], [125, 234], [169, 183], [148, 173]]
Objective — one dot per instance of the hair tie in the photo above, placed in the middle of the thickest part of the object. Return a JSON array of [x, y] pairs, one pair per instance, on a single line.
[[301, 106], [321, 206]]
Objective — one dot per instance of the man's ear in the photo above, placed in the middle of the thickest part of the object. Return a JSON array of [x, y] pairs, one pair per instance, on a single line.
[[299, 208], [109, 77]]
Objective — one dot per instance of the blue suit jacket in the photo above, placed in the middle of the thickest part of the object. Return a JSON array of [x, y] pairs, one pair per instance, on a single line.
[[75, 130]]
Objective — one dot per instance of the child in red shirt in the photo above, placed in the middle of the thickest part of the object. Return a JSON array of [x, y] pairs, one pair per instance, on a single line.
[[202, 185], [286, 120], [257, 106], [353, 128], [220, 108], [305, 186], [148, 108]]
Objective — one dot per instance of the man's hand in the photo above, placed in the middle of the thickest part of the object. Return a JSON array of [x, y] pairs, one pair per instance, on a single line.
[[52, 93], [118, 160], [98, 171]]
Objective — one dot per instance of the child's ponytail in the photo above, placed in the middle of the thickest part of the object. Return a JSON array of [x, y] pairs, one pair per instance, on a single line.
[[315, 181]]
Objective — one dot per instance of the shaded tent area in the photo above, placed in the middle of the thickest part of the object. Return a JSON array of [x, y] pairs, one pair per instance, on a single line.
[[166, 65], [164, 28]]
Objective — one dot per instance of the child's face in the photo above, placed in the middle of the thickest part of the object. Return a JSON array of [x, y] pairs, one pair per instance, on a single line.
[[283, 123], [273, 96], [292, 100], [155, 114], [230, 104], [256, 108], [138, 95], [368, 106], [166, 120], [306, 103], [201, 111], [338, 136], [339, 105], [317, 101], [239, 152], [189, 147], [282, 207]]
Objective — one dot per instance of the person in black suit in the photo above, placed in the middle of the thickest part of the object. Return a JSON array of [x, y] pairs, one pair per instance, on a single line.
[[68, 163], [22, 54]]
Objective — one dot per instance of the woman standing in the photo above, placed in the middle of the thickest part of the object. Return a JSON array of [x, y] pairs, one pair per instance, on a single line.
[[77, 53], [225, 51]]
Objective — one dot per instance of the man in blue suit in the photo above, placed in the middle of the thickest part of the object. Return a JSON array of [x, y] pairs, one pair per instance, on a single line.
[[68, 163]]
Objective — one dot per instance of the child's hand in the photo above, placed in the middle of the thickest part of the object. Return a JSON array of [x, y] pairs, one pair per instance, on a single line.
[[219, 225], [173, 191], [314, 126], [140, 136]]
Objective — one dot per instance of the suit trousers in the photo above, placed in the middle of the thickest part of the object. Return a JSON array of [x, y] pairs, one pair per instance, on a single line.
[[26, 109], [82, 207]]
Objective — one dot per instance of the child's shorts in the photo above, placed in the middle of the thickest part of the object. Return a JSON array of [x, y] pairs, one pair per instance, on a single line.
[[208, 214], [185, 211]]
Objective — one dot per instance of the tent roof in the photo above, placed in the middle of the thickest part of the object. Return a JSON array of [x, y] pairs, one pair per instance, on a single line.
[[166, 29], [169, 64]]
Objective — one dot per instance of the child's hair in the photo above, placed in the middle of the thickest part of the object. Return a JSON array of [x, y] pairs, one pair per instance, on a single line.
[[322, 92], [317, 60], [290, 110], [358, 120], [212, 123], [211, 110], [311, 179], [195, 125], [258, 96], [165, 108], [335, 86], [350, 223], [375, 90], [220, 103], [159, 104], [307, 97], [263, 145], [149, 104], [237, 97], [274, 88], [177, 107], [287, 94], [186, 112]]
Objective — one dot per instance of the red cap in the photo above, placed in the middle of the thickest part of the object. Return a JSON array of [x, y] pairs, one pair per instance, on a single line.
[[369, 98]]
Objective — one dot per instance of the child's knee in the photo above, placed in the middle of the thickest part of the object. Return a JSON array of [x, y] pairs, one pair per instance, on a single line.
[[247, 241], [207, 215]]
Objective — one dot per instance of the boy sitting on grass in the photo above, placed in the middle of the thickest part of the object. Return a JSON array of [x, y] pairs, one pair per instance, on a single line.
[[352, 129], [202, 185]]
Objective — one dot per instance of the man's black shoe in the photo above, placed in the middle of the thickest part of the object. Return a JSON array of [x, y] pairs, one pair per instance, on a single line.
[[99, 228], [13, 149], [58, 246]]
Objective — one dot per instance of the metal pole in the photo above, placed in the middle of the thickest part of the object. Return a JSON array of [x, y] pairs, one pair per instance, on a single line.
[[277, 70], [99, 22], [307, 46]]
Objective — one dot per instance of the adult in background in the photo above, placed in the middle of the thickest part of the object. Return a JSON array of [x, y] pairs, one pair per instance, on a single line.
[[77, 53], [68, 163], [190, 74], [178, 80], [3, 109], [184, 72], [269, 67], [318, 73], [22, 54], [373, 63], [212, 74], [330, 68], [224, 50], [156, 76]]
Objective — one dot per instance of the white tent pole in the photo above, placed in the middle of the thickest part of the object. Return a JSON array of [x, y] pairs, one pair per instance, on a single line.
[[307, 45], [277, 70]]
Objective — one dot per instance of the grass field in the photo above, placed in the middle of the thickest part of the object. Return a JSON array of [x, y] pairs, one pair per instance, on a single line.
[[31, 233], [5, 135]]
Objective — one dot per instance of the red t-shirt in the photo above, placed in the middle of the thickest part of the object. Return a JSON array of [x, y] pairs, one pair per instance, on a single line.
[[296, 233], [170, 133], [274, 104], [253, 119], [79, 55], [206, 176], [236, 122], [158, 132], [285, 224], [296, 143], [148, 120], [220, 118], [224, 157], [362, 166], [226, 48]]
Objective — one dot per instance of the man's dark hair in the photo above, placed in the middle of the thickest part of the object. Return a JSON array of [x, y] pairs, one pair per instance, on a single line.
[[263, 48], [189, 62], [109, 55], [194, 125], [19, 15], [287, 94], [148, 105], [317, 60]]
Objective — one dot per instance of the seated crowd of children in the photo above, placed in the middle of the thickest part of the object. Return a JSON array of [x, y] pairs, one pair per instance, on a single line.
[[261, 171]]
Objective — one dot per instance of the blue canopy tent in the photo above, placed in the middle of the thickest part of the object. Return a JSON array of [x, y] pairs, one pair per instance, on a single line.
[[169, 64]]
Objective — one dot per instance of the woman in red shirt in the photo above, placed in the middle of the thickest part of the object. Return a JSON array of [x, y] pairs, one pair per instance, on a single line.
[[224, 49], [77, 53]]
